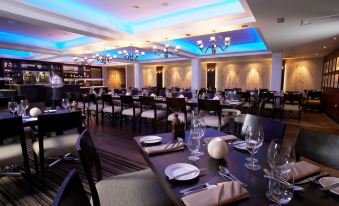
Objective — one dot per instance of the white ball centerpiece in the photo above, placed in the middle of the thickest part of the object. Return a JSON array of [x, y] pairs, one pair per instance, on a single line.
[[217, 148], [34, 112]]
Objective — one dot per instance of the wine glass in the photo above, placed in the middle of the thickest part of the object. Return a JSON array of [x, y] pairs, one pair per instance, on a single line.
[[254, 139], [281, 158], [193, 145], [201, 129], [12, 106], [65, 103], [20, 110], [24, 103]]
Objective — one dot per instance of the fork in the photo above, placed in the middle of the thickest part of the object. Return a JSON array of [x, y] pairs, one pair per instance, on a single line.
[[226, 171], [210, 182]]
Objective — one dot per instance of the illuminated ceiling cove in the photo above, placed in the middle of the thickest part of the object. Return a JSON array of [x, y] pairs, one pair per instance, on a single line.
[[60, 30]]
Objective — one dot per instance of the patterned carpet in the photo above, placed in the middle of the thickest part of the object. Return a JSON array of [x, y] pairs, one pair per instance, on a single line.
[[16, 191]]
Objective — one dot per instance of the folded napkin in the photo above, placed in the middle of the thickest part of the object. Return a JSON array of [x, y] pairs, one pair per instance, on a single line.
[[165, 148], [216, 98], [223, 193], [304, 169], [181, 96], [226, 138]]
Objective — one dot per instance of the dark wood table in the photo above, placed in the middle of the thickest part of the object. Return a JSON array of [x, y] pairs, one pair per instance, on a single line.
[[235, 159]]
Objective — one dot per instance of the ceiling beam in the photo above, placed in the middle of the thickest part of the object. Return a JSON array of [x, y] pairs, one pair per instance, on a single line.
[[18, 47]]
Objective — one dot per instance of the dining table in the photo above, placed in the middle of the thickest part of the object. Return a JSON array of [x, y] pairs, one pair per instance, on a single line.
[[234, 160]]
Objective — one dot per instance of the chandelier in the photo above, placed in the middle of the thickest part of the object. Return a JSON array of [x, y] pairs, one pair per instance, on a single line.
[[83, 60], [166, 51], [214, 45], [131, 56], [104, 59]]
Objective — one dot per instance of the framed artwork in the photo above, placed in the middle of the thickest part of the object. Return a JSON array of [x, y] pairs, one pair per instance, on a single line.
[[325, 67], [334, 64], [337, 66], [336, 85]]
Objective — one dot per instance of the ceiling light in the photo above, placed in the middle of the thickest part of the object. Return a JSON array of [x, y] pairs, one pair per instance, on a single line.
[[187, 34], [324, 47], [321, 19], [166, 50], [244, 26], [281, 20], [83, 60], [131, 56], [136, 6], [164, 4], [316, 54], [214, 45], [334, 38]]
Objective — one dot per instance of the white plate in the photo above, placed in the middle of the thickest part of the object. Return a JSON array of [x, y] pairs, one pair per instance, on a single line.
[[150, 139], [240, 145], [327, 181], [30, 119], [180, 168]]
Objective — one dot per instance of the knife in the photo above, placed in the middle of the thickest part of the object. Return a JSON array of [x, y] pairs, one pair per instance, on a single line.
[[199, 190], [311, 179], [330, 187], [186, 173]]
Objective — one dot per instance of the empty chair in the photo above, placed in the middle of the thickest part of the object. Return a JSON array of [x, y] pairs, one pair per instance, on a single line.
[[212, 106], [149, 110], [128, 109], [137, 188], [71, 192], [319, 145], [292, 102], [313, 100], [273, 129], [210, 94], [109, 107], [61, 144], [94, 107], [177, 106], [14, 153]]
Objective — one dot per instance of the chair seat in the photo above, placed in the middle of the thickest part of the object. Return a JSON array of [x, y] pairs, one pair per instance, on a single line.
[[181, 116], [93, 107], [313, 101], [213, 121], [291, 107], [10, 155], [138, 189], [58, 145], [230, 112], [268, 106], [150, 114], [240, 119], [161, 105], [129, 112], [109, 109]]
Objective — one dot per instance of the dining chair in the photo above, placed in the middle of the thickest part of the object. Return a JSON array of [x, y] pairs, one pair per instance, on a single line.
[[108, 107], [292, 102], [128, 109], [61, 145], [273, 129], [319, 145], [137, 188], [313, 100], [94, 106], [71, 192], [149, 110], [177, 106], [270, 101], [213, 110], [13, 154]]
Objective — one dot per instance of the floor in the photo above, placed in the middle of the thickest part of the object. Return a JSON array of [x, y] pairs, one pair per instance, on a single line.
[[120, 141]]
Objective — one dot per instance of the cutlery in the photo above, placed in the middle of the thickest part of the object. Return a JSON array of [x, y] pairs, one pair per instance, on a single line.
[[225, 171], [225, 176], [199, 190], [200, 186], [330, 187], [311, 179], [295, 187], [186, 173]]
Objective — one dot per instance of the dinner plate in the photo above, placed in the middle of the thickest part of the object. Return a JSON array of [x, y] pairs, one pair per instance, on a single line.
[[181, 168], [240, 145], [30, 119], [327, 181], [151, 139]]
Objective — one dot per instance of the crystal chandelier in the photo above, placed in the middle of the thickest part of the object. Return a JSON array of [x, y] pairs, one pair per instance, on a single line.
[[83, 60], [131, 56], [214, 45], [166, 51]]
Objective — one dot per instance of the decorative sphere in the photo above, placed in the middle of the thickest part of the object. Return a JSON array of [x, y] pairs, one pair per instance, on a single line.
[[34, 112], [217, 148]]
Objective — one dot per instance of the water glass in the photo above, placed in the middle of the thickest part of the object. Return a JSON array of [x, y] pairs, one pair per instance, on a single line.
[[12, 106], [25, 104], [20, 110], [193, 145], [254, 139], [65, 103]]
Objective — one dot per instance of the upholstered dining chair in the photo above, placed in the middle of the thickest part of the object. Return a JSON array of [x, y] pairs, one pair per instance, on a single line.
[[94, 106], [292, 102], [149, 110], [60, 145], [128, 109], [177, 106], [209, 107], [137, 188], [273, 129], [71, 192], [319, 145], [13, 153], [108, 107]]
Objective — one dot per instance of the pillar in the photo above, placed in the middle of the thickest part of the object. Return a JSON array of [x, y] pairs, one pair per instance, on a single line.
[[196, 74], [138, 76], [276, 71]]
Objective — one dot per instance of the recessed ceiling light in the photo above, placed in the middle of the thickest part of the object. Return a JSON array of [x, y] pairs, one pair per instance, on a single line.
[[244, 26], [334, 38], [49, 34], [136, 6], [148, 41], [324, 47], [281, 20], [164, 4], [187, 34], [11, 22], [316, 54]]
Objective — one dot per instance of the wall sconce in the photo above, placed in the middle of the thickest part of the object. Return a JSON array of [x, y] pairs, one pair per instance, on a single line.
[[210, 70], [159, 72]]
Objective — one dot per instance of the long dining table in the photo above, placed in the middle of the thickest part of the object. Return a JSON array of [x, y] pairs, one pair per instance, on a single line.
[[257, 185]]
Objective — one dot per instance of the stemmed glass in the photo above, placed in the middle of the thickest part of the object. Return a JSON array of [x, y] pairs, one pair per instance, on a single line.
[[12, 106], [254, 138], [193, 145], [24, 103], [281, 158], [198, 126], [65, 104], [20, 110]]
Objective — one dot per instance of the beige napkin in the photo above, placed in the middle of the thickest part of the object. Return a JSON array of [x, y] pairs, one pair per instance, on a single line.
[[224, 193], [226, 138], [303, 169], [165, 148]]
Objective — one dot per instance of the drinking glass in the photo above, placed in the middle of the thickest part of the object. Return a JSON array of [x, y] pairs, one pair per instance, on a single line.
[[256, 131], [253, 143], [193, 145], [201, 129], [20, 110], [25, 104], [65, 103], [281, 158], [12, 106]]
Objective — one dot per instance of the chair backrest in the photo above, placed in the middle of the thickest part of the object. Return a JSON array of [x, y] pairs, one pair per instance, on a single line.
[[293, 98], [59, 122], [106, 99], [71, 192], [210, 94], [89, 160], [126, 100], [319, 145], [187, 94], [134, 92], [209, 105], [176, 104], [10, 127], [147, 101], [273, 129], [314, 95]]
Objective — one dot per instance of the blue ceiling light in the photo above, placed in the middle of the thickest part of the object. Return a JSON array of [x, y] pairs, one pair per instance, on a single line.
[[15, 53]]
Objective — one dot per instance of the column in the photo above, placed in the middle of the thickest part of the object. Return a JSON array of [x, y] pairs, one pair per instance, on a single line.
[[138, 76], [196, 74], [276, 71], [104, 76]]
